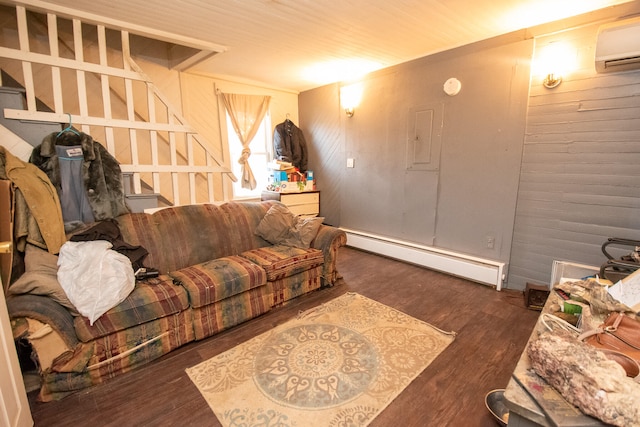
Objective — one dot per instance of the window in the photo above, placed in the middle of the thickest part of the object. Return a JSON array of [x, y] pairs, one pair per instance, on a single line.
[[261, 154]]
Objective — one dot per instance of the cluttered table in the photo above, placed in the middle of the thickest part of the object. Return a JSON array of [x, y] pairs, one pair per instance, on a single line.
[[533, 402], [530, 399]]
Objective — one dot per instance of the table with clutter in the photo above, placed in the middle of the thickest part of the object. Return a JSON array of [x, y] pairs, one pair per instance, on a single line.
[[525, 409], [293, 188], [529, 399]]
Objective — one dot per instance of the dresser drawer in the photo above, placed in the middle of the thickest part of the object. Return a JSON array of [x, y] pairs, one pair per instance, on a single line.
[[306, 203], [293, 199], [305, 210]]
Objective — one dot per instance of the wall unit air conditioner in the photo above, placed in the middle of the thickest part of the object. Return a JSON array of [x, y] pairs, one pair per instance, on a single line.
[[618, 46]]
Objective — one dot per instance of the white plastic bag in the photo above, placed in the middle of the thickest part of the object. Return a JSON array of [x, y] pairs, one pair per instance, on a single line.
[[94, 277]]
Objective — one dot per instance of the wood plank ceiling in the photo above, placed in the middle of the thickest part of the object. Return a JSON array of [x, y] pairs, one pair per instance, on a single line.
[[302, 44]]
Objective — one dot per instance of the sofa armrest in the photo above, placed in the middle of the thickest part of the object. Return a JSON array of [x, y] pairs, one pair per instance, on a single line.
[[50, 326], [329, 239]]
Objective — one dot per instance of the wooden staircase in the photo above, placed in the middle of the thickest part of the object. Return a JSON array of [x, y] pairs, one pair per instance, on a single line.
[[83, 73]]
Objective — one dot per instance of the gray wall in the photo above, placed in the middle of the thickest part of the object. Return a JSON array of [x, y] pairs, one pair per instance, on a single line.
[[320, 124], [466, 191], [580, 179], [550, 174]]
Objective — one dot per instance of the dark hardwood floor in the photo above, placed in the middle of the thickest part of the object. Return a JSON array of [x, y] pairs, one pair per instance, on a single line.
[[492, 328]]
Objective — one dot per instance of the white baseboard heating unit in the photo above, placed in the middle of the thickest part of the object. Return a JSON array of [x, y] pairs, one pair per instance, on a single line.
[[480, 270]]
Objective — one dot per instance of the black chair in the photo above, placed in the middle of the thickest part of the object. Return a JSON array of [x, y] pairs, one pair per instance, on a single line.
[[616, 269]]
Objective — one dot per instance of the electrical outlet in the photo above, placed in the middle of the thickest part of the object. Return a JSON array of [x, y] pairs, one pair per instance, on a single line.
[[350, 162], [490, 242]]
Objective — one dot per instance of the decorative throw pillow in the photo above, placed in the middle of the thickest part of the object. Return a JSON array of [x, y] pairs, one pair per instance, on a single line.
[[276, 224], [280, 226], [304, 232], [41, 278]]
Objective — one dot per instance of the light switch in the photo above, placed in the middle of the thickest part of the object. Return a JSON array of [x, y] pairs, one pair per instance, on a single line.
[[350, 162]]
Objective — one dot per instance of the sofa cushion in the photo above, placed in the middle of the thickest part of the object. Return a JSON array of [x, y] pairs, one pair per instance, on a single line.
[[288, 288], [219, 279], [192, 234], [141, 229], [243, 218], [283, 261], [152, 299], [41, 278], [214, 318], [179, 236]]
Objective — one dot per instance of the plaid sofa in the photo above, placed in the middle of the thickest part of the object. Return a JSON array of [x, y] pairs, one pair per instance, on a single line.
[[215, 273]]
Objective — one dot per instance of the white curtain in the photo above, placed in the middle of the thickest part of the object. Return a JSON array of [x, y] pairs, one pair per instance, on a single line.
[[246, 113]]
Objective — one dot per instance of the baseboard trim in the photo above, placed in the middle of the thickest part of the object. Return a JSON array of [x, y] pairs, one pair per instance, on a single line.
[[481, 270]]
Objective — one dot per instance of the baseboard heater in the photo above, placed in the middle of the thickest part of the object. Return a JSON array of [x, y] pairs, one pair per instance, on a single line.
[[479, 270]]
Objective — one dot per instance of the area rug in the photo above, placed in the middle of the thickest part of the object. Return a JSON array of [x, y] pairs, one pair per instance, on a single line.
[[339, 364]]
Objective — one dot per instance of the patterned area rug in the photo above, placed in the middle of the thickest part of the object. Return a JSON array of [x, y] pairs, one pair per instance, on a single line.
[[339, 364]]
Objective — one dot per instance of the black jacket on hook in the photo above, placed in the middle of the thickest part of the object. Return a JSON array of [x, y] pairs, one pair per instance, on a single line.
[[289, 145]]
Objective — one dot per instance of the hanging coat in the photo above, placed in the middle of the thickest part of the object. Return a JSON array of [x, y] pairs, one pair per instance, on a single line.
[[38, 217], [289, 145], [101, 174]]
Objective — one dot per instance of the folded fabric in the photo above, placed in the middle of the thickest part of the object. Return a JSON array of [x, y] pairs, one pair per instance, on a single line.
[[94, 277], [41, 278]]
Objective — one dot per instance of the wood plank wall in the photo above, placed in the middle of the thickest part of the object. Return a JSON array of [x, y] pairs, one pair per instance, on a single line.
[[580, 177]]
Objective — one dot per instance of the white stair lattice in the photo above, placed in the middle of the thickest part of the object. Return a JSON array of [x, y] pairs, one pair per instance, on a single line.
[[117, 104]]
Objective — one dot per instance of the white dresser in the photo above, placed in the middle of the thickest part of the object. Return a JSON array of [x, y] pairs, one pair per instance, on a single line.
[[306, 203]]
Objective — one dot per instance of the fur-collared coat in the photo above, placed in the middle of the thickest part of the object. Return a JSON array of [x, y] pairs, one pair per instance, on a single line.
[[100, 172]]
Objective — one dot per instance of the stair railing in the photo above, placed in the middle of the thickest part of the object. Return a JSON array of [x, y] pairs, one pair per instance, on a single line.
[[119, 105]]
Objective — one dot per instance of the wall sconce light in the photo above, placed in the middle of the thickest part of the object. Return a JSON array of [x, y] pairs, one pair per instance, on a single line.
[[555, 60], [551, 81], [350, 97]]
